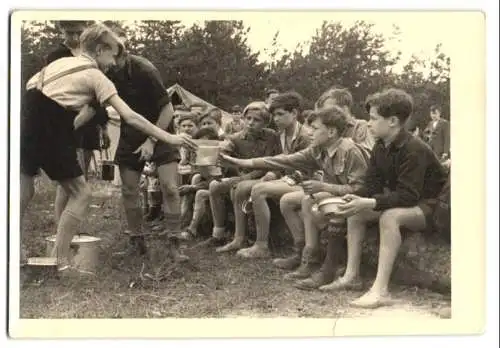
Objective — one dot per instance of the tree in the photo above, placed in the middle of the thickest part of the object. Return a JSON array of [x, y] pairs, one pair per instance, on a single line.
[[38, 38], [353, 57]]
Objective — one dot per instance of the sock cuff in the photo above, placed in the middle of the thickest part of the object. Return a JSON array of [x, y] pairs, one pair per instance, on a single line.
[[218, 232]]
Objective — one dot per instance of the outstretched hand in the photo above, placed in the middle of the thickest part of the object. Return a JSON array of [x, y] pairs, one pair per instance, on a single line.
[[228, 161]]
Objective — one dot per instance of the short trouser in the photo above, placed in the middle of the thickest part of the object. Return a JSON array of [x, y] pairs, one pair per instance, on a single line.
[[428, 206], [47, 138], [88, 137], [125, 156]]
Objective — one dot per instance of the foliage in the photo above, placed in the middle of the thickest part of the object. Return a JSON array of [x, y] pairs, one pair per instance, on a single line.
[[214, 61]]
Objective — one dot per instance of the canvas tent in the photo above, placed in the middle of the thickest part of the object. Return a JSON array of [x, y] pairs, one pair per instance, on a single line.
[[178, 95]]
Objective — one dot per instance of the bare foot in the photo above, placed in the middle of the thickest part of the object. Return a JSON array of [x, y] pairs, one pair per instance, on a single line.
[[343, 284], [232, 246], [372, 300], [254, 252]]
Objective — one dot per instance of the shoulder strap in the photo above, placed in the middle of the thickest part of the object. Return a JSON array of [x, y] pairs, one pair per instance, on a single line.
[[42, 83]]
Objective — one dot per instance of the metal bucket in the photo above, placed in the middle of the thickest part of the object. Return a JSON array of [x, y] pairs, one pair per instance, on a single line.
[[85, 251]]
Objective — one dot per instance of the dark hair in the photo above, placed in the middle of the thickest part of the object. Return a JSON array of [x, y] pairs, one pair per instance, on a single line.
[[287, 101], [209, 133], [436, 107], [270, 91], [391, 102], [332, 117], [304, 116], [191, 116], [342, 97], [236, 108], [181, 107], [213, 113]]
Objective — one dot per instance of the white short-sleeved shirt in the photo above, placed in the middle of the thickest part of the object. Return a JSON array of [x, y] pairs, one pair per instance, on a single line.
[[77, 89]]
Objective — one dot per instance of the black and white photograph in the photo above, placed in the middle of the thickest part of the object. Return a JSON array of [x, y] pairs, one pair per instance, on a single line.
[[238, 165]]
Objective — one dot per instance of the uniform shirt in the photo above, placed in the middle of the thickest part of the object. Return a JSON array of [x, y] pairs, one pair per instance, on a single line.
[[248, 145], [359, 132], [77, 89], [403, 173], [342, 163], [300, 140]]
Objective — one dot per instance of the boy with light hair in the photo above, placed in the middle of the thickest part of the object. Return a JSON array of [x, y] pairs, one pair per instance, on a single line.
[[55, 103]]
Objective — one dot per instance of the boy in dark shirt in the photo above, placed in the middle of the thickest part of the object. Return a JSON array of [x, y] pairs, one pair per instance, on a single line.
[[403, 179], [285, 109], [255, 140]]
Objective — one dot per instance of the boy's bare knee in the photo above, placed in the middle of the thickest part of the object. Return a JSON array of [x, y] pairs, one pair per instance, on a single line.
[[130, 191], [214, 186], [259, 191], [287, 204], [390, 219]]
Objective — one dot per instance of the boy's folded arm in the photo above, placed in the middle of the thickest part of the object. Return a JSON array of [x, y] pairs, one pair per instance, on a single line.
[[84, 116]]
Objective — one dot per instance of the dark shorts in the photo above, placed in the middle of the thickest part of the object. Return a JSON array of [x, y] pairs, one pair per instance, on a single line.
[[428, 207], [125, 156], [48, 139], [88, 138]]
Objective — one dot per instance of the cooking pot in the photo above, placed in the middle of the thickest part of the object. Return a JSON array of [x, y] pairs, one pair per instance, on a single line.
[[85, 251]]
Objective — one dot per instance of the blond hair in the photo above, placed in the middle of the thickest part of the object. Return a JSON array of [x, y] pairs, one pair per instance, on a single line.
[[99, 34]]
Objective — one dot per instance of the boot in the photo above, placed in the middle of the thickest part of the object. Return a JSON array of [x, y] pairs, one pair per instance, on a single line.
[[293, 261], [175, 253], [335, 254], [310, 263]]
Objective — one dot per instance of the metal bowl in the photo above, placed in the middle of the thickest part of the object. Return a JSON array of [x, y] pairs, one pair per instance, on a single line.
[[329, 207], [207, 155]]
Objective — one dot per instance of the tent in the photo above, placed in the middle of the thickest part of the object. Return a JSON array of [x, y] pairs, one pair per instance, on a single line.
[[178, 95]]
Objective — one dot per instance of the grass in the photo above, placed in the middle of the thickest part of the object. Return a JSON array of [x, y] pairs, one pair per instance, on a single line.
[[209, 286]]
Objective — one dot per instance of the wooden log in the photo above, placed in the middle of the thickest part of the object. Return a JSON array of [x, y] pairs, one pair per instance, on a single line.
[[424, 259]]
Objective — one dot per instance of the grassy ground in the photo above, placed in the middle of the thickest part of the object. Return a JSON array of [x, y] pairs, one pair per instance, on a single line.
[[210, 286]]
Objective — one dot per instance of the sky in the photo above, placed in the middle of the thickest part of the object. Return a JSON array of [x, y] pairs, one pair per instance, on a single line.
[[419, 34]]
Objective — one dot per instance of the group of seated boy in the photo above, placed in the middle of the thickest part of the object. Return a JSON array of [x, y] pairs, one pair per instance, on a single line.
[[381, 171]]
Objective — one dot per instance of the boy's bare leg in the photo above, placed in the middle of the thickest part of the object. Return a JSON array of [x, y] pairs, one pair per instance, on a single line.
[[27, 191], [241, 193], [167, 174], [218, 191], [199, 210], [311, 253], [260, 193], [390, 241], [83, 158], [75, 211], [356, 229], [133, 212], [290, 206]]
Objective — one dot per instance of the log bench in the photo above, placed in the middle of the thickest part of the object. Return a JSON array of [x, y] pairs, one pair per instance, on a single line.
[[424, 258]]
